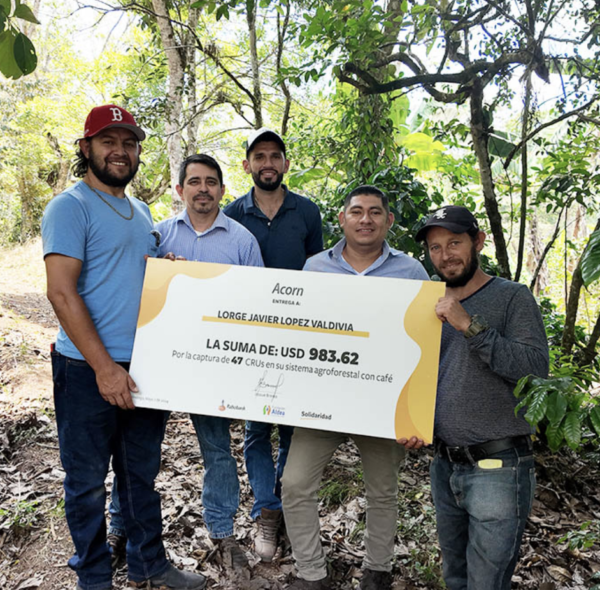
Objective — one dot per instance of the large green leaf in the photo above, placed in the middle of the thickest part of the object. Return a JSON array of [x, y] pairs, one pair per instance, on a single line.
[[25, 13], [572, 430], [537, 407], [5, 6], [554, 436], [25, 55], [8, 65], [595, 419], [590, 264], [499, 145], [421, 142], [557, 407]]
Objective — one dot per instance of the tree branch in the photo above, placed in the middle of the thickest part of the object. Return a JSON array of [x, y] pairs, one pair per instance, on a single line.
[[543, 126], [548, 247]]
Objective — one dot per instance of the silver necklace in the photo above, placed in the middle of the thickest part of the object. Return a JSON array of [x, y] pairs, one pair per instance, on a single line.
[[115, 210]]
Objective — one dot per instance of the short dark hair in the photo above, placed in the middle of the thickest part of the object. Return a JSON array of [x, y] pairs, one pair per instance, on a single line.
[[200, 159], [367, 189]]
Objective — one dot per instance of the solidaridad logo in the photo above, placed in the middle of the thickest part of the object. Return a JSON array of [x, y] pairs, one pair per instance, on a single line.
[[272, 410]]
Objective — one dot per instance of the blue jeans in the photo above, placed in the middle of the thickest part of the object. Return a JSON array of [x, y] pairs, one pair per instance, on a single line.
[[221, 488], [116, 525], [264, 475], [90, 432], [481, 515]]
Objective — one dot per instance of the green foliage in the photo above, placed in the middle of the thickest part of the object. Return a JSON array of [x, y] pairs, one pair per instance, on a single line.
[[417, 529], [336, 493], [22, 514], [583, 538], [17, 53], [590, 263], [561, 408], [344, 149]]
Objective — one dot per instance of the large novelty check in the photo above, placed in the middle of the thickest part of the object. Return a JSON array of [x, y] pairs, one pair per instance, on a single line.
[[334, 352]]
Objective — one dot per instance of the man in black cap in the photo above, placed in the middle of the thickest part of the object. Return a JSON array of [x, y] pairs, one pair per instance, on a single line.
[[482, 476], [288, 229]]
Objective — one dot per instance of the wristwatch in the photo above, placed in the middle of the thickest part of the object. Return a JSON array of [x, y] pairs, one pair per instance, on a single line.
[[477, 325]]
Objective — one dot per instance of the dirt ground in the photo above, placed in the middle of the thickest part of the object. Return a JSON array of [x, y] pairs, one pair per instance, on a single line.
[[35, 542]]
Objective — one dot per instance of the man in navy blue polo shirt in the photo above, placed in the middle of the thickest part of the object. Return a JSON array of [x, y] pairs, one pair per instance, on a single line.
[[288, 229]]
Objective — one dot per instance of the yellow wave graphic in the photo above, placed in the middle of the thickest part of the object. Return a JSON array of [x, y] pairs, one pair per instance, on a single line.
[[160, 273], [416, 405]]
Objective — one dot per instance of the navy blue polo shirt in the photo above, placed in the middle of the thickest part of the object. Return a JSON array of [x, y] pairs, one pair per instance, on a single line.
[[290, 237]]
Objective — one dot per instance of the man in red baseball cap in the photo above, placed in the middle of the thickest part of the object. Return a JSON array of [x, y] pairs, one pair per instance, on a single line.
[[95, 240]]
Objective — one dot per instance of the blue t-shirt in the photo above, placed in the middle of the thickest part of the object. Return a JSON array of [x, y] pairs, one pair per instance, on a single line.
[[78, 224], [287, 240]]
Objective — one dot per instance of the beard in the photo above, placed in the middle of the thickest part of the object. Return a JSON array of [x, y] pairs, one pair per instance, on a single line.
[[100, 170], [267, 185], [465, 276]]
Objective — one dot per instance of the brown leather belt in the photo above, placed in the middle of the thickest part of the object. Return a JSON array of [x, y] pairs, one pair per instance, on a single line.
[[474, 453]]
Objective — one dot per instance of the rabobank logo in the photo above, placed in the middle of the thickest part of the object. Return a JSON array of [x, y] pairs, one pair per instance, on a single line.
[[222, 407], [273, 411]]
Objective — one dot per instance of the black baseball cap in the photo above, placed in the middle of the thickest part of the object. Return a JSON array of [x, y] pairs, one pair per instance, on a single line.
[[264, 134], [452, 217]]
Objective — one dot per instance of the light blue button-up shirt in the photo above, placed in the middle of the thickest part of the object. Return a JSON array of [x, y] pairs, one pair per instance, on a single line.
[[226, 241], [392, 263]]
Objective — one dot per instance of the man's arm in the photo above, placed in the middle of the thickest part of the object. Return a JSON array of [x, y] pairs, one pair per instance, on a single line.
[[113, 380], [521, 351]]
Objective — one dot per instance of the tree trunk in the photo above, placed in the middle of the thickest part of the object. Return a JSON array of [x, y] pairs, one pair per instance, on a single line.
[[572, 307], [590, 352], [256, 92], [190, 62], [479, 133], [524, 176], [57, 179], [27, 200], [281, 35], [175, 63]]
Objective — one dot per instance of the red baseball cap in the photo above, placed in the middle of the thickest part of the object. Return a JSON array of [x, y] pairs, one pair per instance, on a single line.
[[110, 115]]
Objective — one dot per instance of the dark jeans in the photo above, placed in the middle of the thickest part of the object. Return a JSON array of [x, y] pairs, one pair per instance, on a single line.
[[90, 432], [263, 474], [221, 488], [481, 515]]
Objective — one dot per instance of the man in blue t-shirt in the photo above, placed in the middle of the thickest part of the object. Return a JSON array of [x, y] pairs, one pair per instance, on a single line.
[[95, 240], [288, 229]]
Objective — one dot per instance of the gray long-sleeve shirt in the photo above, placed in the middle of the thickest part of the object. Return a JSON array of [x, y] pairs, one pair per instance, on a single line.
[[475, 401]]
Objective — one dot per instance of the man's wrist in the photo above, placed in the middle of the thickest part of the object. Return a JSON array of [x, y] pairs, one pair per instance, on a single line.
[[477, 326]]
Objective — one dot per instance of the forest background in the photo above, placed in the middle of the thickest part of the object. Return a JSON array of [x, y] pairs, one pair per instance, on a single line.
[[489, 104]]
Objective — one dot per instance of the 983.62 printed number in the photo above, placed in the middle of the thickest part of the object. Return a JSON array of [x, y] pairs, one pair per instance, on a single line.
[[332, 356]]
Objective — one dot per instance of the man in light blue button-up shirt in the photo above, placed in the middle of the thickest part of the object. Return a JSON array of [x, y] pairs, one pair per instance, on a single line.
[[366, 219], [202, 232]]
